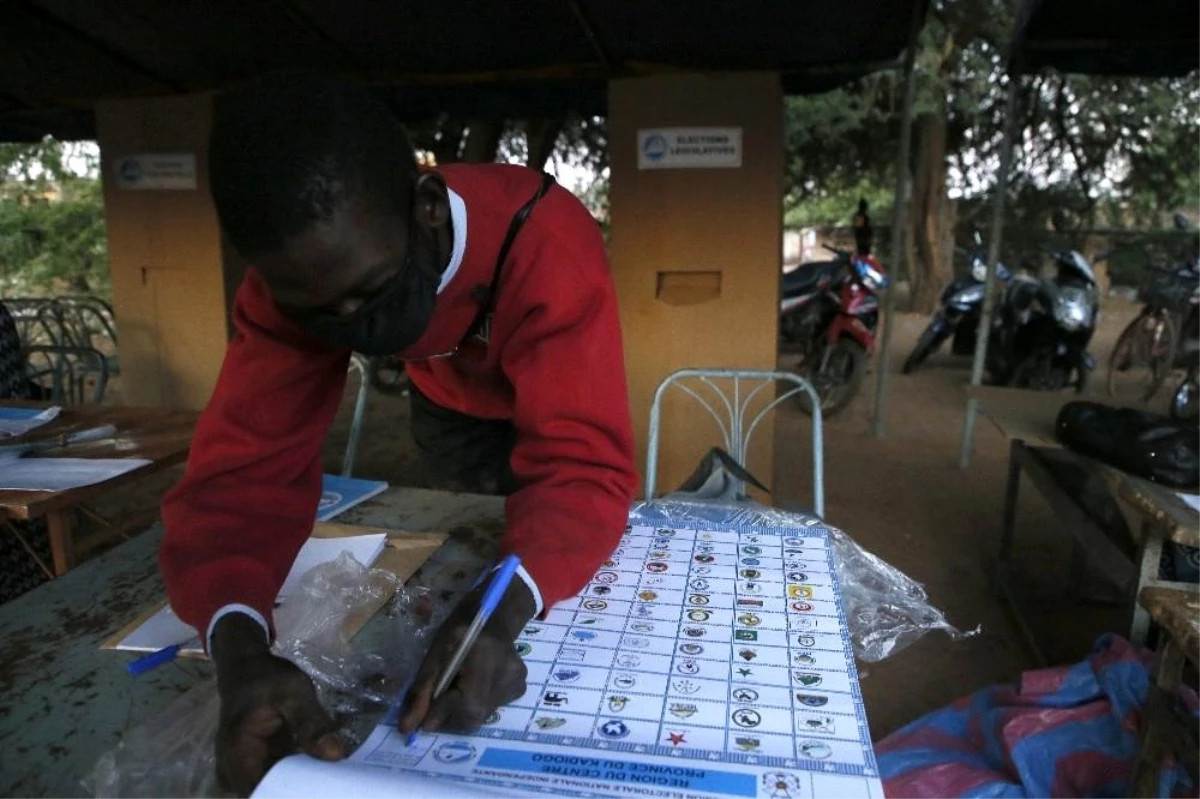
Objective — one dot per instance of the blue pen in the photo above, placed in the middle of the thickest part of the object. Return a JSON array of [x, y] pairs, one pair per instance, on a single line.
[[150, 661], [491, 598]]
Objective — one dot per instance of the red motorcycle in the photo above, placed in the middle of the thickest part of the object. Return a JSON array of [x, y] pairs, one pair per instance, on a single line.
[[828, 314]]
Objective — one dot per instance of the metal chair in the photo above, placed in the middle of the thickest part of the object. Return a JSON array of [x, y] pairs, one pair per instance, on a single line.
[[57, 337], [358, 363], [94, 313], [35, 320], [68, 369], [737, 432]]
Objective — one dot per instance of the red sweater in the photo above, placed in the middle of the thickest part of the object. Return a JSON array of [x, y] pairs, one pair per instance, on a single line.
[[247, 501]]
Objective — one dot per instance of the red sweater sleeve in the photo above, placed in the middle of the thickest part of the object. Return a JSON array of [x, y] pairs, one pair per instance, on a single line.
[[246, 503], [573, 454]]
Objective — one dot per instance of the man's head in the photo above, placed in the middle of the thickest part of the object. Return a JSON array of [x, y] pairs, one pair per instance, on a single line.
[[316, 186]]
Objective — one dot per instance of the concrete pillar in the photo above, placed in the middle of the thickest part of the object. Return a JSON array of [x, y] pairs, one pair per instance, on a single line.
[[164, 243], [696, 251]]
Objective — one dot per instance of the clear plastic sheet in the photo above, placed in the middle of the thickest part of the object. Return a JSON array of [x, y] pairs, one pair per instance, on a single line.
[[171, 753], [885, 608]]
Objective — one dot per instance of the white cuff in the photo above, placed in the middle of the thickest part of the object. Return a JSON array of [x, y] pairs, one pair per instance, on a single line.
[[533, 589], [529, 583], [235, 608]]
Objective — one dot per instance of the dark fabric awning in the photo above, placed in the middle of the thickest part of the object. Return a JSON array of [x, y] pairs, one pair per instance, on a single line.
[[1108, 37], [530, 57]]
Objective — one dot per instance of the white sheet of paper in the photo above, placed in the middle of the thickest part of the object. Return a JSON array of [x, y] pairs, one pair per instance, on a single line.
[[364, 548], [1191, 499], [161, 630], [60, 474], [16, 422], [165, 629], [301, 775]]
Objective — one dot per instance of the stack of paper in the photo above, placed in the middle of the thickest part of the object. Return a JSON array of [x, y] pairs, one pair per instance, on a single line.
[[18, 421], [164, 628], [61, 474]]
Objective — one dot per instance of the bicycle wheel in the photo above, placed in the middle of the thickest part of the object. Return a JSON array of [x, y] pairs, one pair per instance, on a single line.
[[1141, 358]]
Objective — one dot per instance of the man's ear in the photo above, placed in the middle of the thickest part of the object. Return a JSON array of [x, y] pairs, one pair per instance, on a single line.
[[432, 202]]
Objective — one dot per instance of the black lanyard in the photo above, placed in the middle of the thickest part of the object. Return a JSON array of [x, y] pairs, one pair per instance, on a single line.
[[480, 326]]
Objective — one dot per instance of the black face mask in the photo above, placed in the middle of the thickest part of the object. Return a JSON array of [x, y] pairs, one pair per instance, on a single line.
[[391, 321]]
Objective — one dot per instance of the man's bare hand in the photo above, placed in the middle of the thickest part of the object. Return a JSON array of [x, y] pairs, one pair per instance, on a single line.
[[492, 674], [269, 709]]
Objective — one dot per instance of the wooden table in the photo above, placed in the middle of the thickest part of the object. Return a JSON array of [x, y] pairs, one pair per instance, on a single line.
[[1095, 503], [64, 701], [1167, 726], [159, 435]]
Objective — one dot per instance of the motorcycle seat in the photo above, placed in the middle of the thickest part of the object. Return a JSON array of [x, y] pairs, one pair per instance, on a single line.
[[805, 278]]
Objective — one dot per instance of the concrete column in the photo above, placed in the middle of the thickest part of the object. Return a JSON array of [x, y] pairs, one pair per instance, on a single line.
[[169, 286], [696, 252]]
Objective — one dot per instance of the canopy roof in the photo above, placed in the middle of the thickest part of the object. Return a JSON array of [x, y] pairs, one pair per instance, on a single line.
[[1108, 37], [532, 57]]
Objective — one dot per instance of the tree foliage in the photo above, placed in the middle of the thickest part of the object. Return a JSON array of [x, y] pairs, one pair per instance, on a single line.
[[52, 236], [1117, 152], [52, 233]]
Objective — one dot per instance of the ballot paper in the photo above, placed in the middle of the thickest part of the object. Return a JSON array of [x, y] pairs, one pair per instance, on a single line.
[[60, 474], [18, 421], [696, 663], [164, 628]]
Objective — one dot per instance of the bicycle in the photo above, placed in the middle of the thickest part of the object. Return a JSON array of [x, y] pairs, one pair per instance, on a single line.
[[1150, 342]]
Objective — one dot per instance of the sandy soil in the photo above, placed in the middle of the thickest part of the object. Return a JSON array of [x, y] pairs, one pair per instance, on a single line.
[[902, 497]]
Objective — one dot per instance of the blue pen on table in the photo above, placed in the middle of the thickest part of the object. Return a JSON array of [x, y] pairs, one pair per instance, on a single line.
[[154, 659], [501, 580]]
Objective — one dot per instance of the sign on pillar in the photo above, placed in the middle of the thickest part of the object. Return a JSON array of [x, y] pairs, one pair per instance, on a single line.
[[690, 148]]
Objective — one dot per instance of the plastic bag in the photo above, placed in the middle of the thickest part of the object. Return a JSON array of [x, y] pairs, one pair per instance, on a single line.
[[885, 608], [171, 753], [1145, 444]]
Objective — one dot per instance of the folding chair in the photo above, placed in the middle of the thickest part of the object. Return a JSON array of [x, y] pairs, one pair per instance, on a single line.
[[69, 371], [357, 364], [736, 428]]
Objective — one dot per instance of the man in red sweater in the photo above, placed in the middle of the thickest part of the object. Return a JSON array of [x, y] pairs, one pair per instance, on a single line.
[[492, 283]]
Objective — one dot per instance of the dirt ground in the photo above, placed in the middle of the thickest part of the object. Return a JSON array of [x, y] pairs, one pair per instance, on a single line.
[[903, 498], [906, 499]]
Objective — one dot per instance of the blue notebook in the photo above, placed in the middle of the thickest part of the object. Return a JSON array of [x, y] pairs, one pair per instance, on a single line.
[[339, 494]]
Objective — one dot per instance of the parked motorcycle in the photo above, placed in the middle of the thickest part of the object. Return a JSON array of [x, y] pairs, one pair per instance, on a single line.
[[829, 312], [1041, 333], [960, 311]]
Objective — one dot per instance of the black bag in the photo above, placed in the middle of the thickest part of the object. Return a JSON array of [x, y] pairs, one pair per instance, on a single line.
[[1144, 444]]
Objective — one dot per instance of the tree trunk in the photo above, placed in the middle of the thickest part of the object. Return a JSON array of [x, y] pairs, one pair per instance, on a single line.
[[541, 135], [447, 143], [483, 139], [930, 215]]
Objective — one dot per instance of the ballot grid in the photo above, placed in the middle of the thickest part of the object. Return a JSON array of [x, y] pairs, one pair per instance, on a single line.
[[710, 644]]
